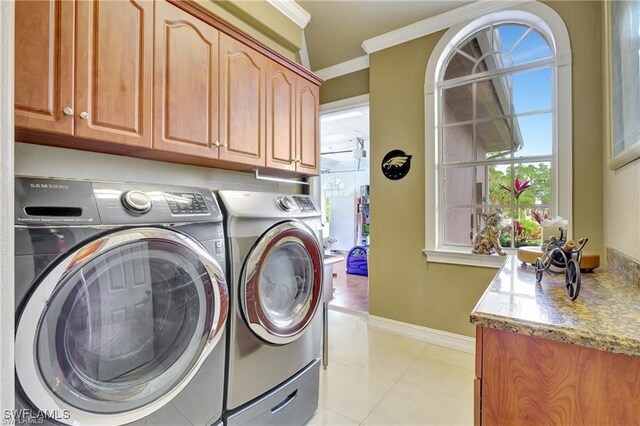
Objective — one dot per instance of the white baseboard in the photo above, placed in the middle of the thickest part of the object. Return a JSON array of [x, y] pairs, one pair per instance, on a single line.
[[424, 334], [347, 310]]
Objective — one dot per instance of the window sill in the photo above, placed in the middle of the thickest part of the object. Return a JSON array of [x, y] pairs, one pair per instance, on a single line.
[[464, 258]]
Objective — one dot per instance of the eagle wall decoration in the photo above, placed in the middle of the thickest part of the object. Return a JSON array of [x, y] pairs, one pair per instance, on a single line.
[[396, 164]]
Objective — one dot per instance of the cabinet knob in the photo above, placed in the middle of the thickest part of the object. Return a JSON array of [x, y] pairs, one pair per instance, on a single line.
[[68, 111], [224, 145], [216, 143], [297, 161], [84, 115]]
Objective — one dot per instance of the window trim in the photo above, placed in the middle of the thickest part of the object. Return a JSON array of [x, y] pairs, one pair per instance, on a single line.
[[551, 25]]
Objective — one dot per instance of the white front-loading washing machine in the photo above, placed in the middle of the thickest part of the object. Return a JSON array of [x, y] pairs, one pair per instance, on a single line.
[[121, 303], [275, 326]]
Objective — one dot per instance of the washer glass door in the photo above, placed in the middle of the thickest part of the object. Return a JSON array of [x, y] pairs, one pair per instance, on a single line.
[[127, 322], [282, 282]]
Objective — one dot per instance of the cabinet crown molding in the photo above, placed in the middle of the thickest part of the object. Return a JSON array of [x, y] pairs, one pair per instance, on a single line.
[[195, 9]]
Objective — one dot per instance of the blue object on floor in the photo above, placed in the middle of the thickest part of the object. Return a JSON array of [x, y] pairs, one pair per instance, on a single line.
[[357, 261]]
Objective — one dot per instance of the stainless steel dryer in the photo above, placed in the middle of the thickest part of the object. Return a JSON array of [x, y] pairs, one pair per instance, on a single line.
[[275, 326], [121, 303]]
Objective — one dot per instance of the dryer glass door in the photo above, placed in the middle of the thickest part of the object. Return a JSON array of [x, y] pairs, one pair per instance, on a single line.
[[126, 322], [282, 282]]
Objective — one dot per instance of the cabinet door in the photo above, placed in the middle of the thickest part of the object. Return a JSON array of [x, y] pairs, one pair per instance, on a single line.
[[114, 60], [186, 83], [529, 380], [44, 65], [307, 129], [281, 117], [242, 103]]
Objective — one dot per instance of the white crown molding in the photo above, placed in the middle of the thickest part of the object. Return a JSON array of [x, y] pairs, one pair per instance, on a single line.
[[424, 334], [410, 32], [353, 102], [304, 53], [343, 68], [293, 11], [435, 23]]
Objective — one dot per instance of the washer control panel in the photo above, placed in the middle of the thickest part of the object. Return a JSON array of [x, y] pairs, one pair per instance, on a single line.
[[305, 204], [186, 203]]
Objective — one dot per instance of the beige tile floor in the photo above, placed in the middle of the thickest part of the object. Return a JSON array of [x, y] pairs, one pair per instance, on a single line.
[[377, 378]]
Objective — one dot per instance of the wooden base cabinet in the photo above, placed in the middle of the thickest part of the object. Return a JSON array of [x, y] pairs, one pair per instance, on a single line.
[[524, 380]]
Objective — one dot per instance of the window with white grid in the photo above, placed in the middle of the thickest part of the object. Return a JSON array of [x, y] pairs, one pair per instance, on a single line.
[[496, 132]]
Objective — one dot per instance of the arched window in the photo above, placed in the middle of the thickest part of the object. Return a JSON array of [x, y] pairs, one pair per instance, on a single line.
[[496, 101]]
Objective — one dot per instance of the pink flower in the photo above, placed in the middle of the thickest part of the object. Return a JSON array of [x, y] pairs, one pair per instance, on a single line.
[[521, 186], [539, 216], [518, 227], [518, 187]]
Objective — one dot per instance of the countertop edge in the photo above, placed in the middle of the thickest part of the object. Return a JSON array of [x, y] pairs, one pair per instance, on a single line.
[[585, 338], [604, 343]]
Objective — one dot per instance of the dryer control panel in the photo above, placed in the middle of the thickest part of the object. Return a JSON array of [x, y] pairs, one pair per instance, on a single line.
[[305, 204]]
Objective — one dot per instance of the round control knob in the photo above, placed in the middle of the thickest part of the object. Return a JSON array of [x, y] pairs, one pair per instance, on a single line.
[[136, 202], [284, 203]]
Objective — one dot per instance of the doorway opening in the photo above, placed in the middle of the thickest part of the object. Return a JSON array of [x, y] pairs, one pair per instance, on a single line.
[[344, 195]]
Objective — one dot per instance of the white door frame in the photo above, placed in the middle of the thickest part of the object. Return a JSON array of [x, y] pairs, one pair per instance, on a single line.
[[7, 18], [315, 189]]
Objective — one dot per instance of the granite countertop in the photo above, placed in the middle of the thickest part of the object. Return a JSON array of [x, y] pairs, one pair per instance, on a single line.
[[605, 316]]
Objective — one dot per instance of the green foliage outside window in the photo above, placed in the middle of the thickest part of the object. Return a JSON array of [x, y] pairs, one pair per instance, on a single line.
[[531, 185]]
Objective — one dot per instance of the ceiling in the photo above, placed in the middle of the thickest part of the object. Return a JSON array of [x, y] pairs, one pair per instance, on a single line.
[[335, 35], [341, 133], [338, 27], [340, 130]]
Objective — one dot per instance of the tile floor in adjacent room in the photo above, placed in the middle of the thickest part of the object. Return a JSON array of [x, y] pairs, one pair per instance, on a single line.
[[349, 291], [377, 378]]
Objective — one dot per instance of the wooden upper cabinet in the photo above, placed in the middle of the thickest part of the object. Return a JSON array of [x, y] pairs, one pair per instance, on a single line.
[[186, 83], [156, 78], [307, 127], [44, 65], [281, 117], [292, 122], [114, 61], [242, 103]]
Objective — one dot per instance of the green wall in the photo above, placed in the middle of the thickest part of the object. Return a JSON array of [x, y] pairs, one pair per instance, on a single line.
[[345, 86], [403, 286], [583, 20]]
